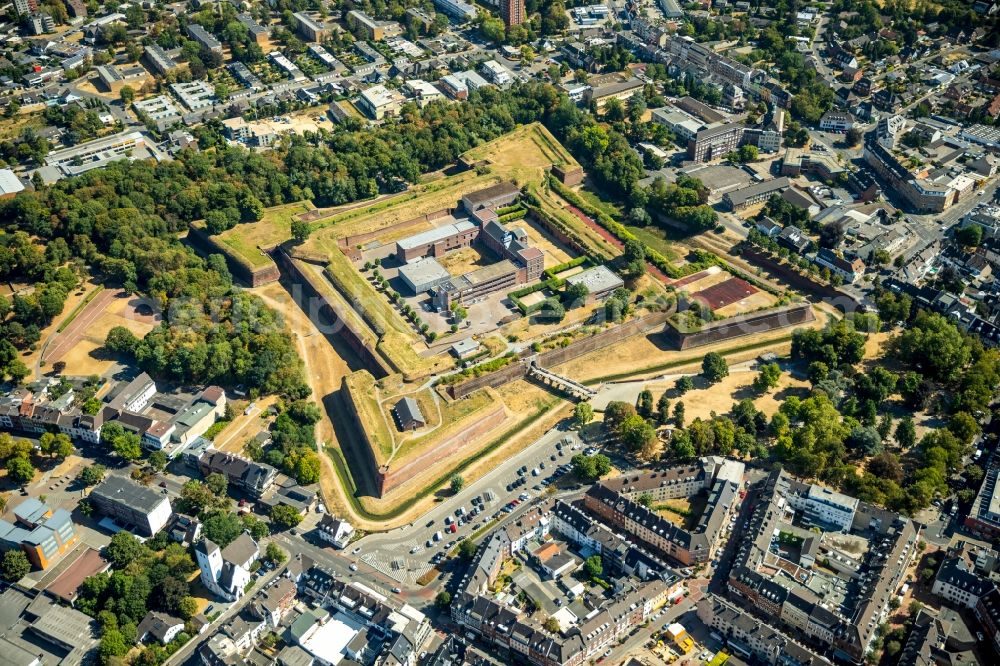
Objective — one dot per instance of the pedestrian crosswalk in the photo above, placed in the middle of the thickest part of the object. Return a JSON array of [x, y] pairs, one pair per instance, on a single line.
[[398, 567]]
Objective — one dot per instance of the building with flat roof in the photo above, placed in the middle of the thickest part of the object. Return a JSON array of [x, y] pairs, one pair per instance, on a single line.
[[378, 102], [476, 284], [157, 108], [195, 95], [839, 606], [311, 28], [714, 142], [131, 504], [456, 9], [96, 153], [600, 281], [512, 12], [684, 125], [423, 275], [41, 533]]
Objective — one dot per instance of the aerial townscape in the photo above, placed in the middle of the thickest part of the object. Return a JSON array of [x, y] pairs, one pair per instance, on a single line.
[[500, 333]]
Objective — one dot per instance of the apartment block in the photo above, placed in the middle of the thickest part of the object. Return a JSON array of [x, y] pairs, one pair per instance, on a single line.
[[132, 505]]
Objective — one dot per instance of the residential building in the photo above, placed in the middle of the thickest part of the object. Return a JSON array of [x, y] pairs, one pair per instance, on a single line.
[[714, 142], [850, 271], [497, 73], [836, 121], [135, 395], [259, 33], [195, 95], [40, 23], [825, 508], [41, 533], [615, 501], [287, 66], [622, 89], [378, 102], [755, 193], [456, 9], [131, 504], [254, 478], [226, 571], [959, 584], [512, 12], [273, 602], [366, 27], [159, 627], [336, 531], [310, 28], [25, 7], [156, 109], [157, 60], [204, 38]]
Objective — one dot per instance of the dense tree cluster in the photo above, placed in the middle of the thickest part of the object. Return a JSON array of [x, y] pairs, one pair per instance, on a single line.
[[148, 576], [293, 448]]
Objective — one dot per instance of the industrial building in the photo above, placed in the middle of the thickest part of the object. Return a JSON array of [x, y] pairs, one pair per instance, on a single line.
[[41, 533], [423, 275]]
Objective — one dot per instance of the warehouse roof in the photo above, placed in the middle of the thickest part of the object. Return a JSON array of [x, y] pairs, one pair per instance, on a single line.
[[423, 271], [434, 235]]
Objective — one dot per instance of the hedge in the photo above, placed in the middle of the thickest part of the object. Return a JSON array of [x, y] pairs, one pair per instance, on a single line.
[[566, 265]]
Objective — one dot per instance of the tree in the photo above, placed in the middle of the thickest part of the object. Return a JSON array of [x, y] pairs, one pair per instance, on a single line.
[[120, 340], [443, 599], [970, 236], [127, 445], [158, 460], [274, 554], [714, 367], [124, 549], [112, 645], [300, 230], [636, 433], [223, 527], [467, 550], [552, 310], [663, 409], [644, 404], [767, 379], [457, 483], [217, 483], [679, 414], [583, 414], [964, 427], [551, 625], [285, 517], [127, 94], [197, 497], [645, 499], [187, 608], [56, 445], [593, 566], [20, 470], [615, 414], [15, 565], [576, 294], [634, 259], [257, 528]]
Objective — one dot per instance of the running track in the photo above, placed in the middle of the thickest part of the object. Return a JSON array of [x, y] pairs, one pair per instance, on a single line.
[[60, 344]]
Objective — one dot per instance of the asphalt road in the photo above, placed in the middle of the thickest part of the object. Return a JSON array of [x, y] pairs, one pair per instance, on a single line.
[[414, 537]]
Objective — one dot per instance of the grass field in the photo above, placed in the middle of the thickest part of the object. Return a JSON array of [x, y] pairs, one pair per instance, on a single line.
[[361, 387], [455, 417], [274, 227]]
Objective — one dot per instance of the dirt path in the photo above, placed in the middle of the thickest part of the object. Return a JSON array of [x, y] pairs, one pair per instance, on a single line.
[[325, 371], [239, 431]]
